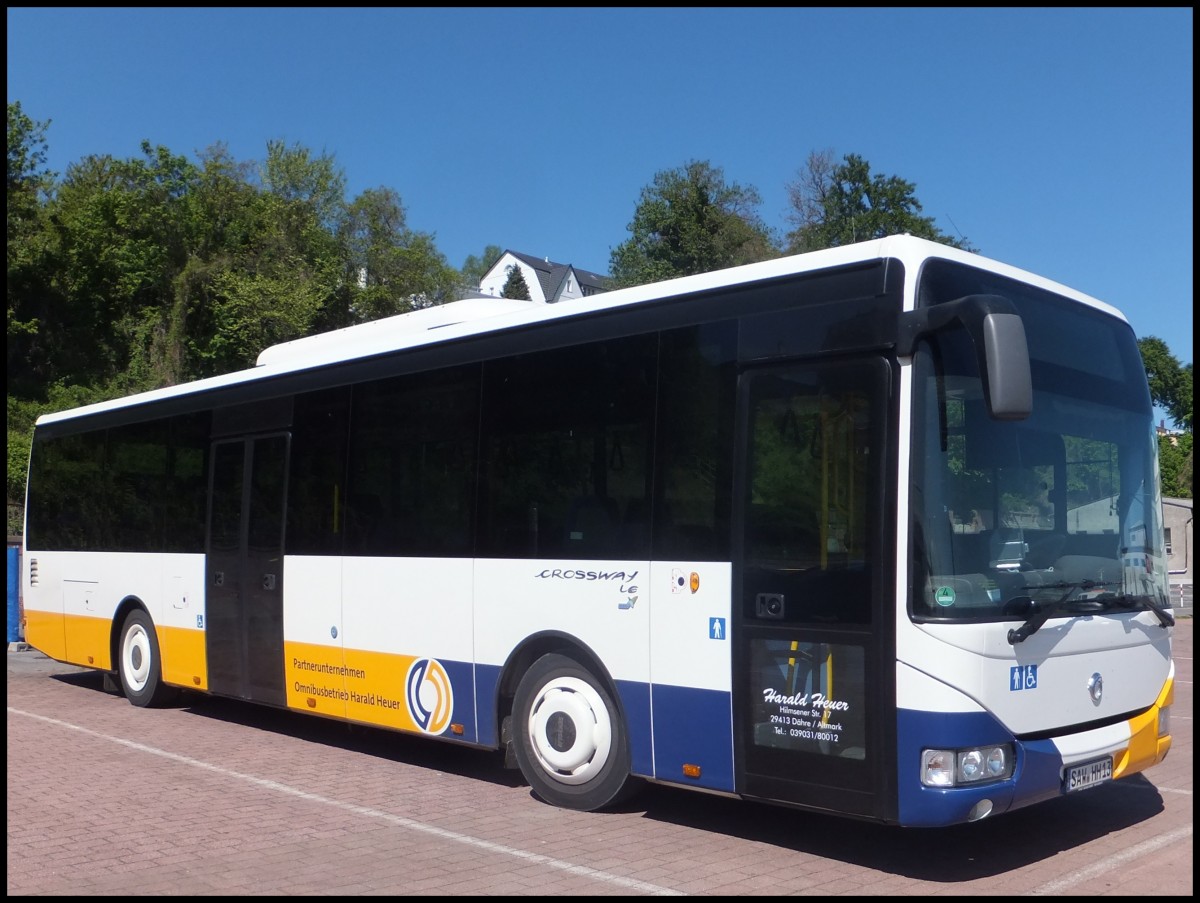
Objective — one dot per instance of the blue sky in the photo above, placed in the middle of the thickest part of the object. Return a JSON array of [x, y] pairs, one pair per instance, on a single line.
[[1059, 141]]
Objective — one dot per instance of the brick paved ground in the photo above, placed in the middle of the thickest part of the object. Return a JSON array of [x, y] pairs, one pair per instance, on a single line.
[[216, 797]]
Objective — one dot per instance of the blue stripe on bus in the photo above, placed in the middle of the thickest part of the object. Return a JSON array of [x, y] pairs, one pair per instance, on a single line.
[[635, 698], [486, 679], [460, 680], [690, 726], [693, 727], [1036, 771]]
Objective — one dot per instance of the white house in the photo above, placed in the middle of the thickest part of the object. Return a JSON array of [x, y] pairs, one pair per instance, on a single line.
[[548, 282]]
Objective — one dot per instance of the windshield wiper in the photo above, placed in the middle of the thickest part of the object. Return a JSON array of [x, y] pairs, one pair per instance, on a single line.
[[1039, 613], [1165, 618]]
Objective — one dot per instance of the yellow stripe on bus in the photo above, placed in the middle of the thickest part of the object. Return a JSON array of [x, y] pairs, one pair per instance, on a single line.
[[367, 687], [45, 632], [86, 641], [184, 657]]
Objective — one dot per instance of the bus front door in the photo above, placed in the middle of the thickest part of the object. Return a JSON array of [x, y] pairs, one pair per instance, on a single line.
[[244, 569], [808, 580]]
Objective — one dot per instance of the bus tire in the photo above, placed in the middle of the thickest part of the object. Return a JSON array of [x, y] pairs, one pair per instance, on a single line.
[[139, 664], [570, 742]]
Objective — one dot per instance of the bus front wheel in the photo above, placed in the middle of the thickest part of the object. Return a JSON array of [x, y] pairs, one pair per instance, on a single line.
[[139, 664], [570, 742]]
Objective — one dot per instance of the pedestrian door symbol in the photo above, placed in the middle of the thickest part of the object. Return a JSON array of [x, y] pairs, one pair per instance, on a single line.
[[716, 628]]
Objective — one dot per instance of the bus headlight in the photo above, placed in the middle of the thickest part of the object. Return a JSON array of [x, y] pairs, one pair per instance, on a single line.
[[937, 768], [1164, 721], [974, 765], [999, 763]]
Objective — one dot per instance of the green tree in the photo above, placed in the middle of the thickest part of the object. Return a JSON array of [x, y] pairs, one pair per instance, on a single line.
[[29, 184], [840, 204], [1171, 390], [278, 272], [475, 268], [227, 215], [391, 268], [1170, 382], [314, 184], [515, 285], [113, 238], [1175, 465], [689, 220], [28, 178], [133, 274]]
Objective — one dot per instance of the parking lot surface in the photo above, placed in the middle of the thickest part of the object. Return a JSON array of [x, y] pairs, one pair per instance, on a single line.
[[214, 796]]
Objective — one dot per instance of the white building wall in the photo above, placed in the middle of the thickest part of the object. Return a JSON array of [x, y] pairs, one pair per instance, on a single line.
[[495, 278], [569, 289], [1177, 517]]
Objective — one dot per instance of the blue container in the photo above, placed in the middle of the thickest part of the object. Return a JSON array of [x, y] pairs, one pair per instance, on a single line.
[[14, 595]]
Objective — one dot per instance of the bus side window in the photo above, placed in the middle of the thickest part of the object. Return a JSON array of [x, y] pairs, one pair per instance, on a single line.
[[694, 453], [317, 489], [592, 525], [559, 465]]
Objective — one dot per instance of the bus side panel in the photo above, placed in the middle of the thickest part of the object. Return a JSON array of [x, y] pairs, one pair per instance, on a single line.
[[87, 611], [635, 698], [407, 644], [312, 635], [382, 641], [487, 680], [691, 675], [82, 591], [45, 625], [604, 605], [45, 631], [372, 640], [180, 622]]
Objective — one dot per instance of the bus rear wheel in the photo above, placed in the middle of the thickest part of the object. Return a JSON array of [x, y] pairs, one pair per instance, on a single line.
[[570, 741], [139, 663]]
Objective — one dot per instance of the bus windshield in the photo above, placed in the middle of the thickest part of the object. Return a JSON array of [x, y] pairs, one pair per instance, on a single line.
[[1057, 514]]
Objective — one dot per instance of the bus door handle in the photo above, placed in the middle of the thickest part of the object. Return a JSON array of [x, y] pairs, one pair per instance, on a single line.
[[219, 578], [268, 581]]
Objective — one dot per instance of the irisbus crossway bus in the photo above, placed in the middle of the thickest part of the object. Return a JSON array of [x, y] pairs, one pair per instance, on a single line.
[[873, 531]]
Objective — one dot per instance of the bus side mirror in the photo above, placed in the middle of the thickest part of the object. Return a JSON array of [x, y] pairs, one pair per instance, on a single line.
[[1001, 348]]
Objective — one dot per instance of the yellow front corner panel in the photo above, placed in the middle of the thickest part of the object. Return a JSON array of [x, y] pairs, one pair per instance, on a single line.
[[1145, 748], [184, 657]]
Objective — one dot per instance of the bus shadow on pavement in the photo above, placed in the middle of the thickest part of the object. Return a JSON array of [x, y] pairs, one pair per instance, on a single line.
[[991, 847], [961, 853], [378, 742]]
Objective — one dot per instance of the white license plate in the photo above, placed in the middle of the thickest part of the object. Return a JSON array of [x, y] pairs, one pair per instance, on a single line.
[[1089, 774]]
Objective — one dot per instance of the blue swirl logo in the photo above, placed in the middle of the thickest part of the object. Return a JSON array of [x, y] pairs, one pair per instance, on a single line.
[[430, 695]]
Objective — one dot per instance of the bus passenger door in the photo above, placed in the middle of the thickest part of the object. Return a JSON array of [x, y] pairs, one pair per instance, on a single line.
[[808, 585], [244, 569]]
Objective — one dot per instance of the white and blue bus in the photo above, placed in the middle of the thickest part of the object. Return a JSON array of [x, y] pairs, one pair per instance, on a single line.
[[873, 531]]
